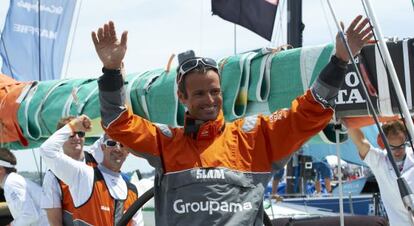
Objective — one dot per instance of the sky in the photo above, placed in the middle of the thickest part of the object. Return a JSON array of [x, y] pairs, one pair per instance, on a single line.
[[157, 29]]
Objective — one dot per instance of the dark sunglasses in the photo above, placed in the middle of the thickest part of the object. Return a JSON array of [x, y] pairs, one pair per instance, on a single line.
[[79, 133], [399, 147], [112, 143], [193, 63]]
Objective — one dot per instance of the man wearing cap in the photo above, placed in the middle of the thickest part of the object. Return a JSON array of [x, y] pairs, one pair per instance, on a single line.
[[22, 195], [56, 199], [211, 172], [100, 194]]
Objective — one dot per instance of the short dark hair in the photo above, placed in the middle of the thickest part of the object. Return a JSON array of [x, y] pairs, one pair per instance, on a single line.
[[63, 121], [393, 127], [198, 70], [8, 156]]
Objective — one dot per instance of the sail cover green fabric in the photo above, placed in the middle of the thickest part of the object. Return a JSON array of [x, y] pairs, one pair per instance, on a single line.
[[259, 81]]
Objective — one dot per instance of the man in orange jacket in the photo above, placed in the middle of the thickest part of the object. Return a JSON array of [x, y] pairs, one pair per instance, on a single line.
[[211, 172]]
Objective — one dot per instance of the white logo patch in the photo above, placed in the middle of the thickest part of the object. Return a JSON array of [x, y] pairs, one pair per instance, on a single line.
[[210, 206], [210, 174]]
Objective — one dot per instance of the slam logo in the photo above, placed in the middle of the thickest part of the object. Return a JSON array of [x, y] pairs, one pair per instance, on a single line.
[[210, 174]]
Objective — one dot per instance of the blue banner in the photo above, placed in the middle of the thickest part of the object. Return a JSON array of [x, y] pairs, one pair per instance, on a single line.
[[20, 45]]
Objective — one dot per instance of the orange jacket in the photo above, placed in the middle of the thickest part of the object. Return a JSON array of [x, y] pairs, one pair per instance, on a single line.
[[101, 208], [67, 202], [271, 139], [215, 173], [10, 90]]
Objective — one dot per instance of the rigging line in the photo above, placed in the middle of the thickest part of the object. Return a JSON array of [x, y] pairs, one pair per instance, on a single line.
[[277, 24], [39, 46], [34, 156], [364, 88], [7, 56], [200, 44], [281, 22], [412, 2], [73, 38], [327, 21], [393, 98]]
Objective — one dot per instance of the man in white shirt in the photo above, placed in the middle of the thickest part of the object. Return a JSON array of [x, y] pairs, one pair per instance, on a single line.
[[22, 195], [100, 194], [380, 165], [56, 199]]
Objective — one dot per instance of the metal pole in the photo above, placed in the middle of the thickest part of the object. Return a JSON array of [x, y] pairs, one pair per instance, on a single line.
[[391, 68], [235, 39], [338, 155]]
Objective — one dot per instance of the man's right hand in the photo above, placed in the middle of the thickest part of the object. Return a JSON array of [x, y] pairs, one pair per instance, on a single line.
[[81, 123], [358, 34], [110, 50]]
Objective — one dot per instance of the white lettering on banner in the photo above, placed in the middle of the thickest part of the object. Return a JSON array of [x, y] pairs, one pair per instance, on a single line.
[[354, 96], [27, 29], [210, 174], [210, 206], [35, 7]]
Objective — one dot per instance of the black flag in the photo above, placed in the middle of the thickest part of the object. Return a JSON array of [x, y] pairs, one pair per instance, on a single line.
[[255, 15]]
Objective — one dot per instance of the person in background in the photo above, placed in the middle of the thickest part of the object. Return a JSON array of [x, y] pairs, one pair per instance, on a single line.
[[322, 171], [277, 177], [380, 165], [22, 195], [100, 194], [56, 199]]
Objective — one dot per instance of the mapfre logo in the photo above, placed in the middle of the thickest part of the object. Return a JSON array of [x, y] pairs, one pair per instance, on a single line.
[[182, 207]]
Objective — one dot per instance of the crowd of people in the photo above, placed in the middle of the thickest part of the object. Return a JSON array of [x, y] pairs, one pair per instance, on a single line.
[[209, 172]]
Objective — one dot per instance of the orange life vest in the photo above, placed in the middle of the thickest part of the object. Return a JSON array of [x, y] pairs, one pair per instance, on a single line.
[[67, 202], [101, 208]]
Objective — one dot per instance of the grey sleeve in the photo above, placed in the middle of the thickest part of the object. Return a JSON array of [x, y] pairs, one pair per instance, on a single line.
[[111, 95], [325, 88]]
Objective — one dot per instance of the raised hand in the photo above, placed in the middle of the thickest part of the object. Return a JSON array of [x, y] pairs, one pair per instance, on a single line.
[[81, 123], [110, 50], [357, 34]]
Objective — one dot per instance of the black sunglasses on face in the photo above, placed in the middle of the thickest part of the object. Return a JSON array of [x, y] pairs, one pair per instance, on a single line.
[[79, 133], [193, 63], [399, 147], [112, 143]]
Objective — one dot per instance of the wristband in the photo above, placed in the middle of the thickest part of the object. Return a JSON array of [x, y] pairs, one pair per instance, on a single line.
[[338, 62], [111, 71]]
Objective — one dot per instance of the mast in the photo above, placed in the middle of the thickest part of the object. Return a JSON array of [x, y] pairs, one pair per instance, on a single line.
[[294, 23], [295, 38]]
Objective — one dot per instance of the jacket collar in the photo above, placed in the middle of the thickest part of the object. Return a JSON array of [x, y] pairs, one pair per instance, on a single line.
[[200, 130]]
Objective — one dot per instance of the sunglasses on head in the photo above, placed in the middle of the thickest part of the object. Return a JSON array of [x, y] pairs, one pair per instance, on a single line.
[[112, 143], [80, 134], [193, 63]]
